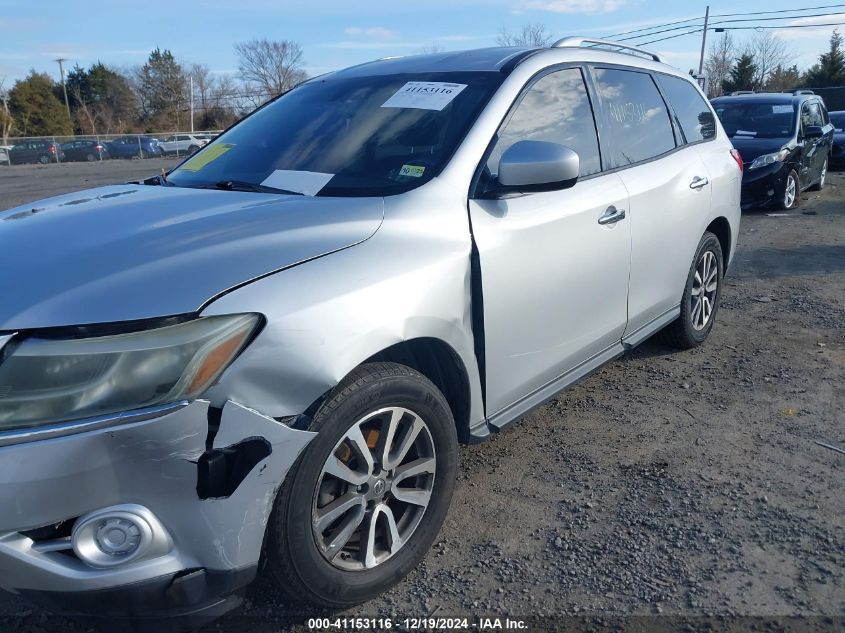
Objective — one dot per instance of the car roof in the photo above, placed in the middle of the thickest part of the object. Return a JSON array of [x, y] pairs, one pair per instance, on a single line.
[[506, 58], [767, 97], [481, 59]]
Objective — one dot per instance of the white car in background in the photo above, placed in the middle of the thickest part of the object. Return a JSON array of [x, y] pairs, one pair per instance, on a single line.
[[182, 144]]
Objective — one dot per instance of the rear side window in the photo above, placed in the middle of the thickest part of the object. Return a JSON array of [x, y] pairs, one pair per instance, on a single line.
[[691, 111], [639, 124], [555, 109]]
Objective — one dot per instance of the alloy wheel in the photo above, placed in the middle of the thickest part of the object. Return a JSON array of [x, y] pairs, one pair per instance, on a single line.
[[704, 287], [789, 192], [373, 489]]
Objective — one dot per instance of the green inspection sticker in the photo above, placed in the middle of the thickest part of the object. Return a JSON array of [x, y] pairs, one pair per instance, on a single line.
[[414, 171]]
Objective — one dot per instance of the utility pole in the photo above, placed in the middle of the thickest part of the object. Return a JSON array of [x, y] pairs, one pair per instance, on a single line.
[[61, 60], [703, 40], [192, 103]]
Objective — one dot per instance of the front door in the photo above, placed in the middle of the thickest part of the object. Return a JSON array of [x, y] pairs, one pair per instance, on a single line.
[[554, 279], [814, 149]]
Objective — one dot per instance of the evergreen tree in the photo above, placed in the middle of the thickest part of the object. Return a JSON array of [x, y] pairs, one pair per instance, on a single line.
[[830, 71], [101, 99], [35, 108], [783, 79], [161, 87], [741, 76]]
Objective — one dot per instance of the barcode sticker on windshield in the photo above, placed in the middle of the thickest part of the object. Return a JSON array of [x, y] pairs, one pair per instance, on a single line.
[[424, 95]]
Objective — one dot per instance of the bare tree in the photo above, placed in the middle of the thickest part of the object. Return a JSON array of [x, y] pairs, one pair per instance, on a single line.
[[204, 83], [270, 68], [6, 120], [430, 49], [532, 35], [769, 52], [84, 113], [720, 60]]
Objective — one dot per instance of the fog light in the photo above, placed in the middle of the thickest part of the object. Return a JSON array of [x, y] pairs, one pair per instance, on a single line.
[[117, 535]]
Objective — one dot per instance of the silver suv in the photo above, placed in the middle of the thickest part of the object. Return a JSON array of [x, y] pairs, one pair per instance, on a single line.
[[274, 351]]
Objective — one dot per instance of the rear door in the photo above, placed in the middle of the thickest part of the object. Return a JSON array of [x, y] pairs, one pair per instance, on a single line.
[[668, 186], [555, 280]]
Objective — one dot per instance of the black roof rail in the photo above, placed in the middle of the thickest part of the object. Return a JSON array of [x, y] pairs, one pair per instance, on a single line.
[[736, 93], [801, 91]]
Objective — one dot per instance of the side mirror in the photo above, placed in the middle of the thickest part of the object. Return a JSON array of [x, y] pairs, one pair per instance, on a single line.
[[529, 166], [813, 131]]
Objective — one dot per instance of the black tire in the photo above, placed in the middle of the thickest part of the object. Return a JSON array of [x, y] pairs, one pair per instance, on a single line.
[[90, 158], [681, 333], [44, 159], [819, 184], [192, 149], [303, 573], [781, 202]]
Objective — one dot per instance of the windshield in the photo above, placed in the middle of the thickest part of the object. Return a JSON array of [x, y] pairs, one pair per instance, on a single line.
[[838, 120], [362, 136], [757, 120]]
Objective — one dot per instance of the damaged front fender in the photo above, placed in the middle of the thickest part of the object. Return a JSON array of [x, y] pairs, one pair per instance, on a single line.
[[155, 464]]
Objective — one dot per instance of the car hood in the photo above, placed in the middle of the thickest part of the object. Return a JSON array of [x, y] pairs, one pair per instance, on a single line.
[[130, 252], [751, 148]]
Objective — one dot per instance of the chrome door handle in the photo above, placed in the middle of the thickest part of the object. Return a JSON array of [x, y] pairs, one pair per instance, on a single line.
[[698, 182], [611, 215]]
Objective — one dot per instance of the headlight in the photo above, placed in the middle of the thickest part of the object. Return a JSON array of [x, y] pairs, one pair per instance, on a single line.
[[768, 159], [44, 381]]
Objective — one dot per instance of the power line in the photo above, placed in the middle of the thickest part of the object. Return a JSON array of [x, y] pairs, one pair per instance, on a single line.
[[680, 28], [656, 26], [780, 27], [719, 29], [727, 15], [731, 15], [670, 37]]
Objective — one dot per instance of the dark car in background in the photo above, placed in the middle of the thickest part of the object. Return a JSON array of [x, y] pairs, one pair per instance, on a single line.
[[87, 150], [43, 152], [134, 147], [784, 140], [837, 152]]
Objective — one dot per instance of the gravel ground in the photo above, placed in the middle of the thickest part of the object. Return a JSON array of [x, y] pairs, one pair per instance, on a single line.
[[687, 488]]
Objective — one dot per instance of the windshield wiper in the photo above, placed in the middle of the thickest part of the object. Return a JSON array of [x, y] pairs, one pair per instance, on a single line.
[[158, 180], [242, 185]]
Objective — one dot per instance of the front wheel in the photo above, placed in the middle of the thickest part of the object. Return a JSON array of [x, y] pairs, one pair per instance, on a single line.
[[366, 499], [789, 196], [700, 300]]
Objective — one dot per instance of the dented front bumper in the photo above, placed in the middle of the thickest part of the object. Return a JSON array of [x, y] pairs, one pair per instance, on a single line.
[[214, 528]]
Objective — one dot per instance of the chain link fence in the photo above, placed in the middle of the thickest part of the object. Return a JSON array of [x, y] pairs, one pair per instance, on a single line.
[[99, 147]]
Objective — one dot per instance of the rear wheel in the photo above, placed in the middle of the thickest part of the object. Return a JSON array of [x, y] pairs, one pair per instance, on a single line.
[[700, 300], [90, 158], [44, 159], [789, 196], [368, 496], [820, 184]]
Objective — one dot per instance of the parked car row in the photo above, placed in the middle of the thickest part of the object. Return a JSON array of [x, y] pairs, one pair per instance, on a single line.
[[46, 151]]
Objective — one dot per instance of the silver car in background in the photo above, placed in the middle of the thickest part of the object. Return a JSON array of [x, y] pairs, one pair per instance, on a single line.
[[275, 351]]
